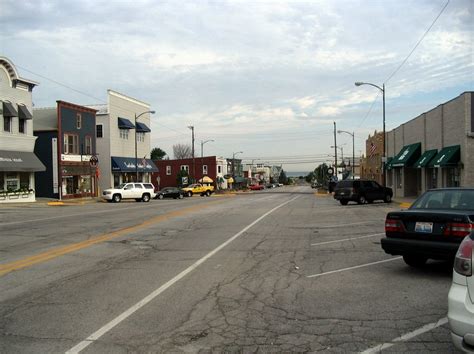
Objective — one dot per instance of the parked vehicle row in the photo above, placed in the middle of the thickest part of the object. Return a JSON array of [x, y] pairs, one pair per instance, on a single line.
[[361, 192]]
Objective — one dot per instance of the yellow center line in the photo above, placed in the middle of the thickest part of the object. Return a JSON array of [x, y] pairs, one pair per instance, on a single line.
[[61, 251]]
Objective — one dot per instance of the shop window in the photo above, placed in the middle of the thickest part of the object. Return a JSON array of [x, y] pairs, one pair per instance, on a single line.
[[398, 177], [431, 178], [452, 177], [22, 126], [204, 169], [12, 181], [219, 169], [78, 121], [24, 180], [71, 144], [7, 124], [168, 170], [99, 131], [88, 143], [2, 181]]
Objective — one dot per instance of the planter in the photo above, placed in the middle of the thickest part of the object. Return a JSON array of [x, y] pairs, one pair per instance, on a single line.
[[19, 196]]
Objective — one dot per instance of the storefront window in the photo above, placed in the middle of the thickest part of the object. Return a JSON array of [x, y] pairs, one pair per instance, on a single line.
[[85, 184], [116, 179], [24, 180], [452, 177], [13, 183], [2, 181], [431, 178], [398, 177]]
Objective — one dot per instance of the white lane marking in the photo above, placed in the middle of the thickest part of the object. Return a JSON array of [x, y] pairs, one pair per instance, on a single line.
[[355, 267], [344, 225], [106, 328], [407, 336], [346, 239]]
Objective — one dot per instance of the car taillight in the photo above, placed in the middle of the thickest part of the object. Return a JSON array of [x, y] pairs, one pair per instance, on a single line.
[[392, 225], [458, 229], [463, 260]]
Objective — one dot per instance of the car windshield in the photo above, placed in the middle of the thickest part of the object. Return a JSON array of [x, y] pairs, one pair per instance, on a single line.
[[456, 199], [121, 186]]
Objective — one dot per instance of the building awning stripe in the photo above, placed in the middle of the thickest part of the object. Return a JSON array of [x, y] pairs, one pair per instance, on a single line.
[[448, 156], [124, 123], [127, 164], [23, 112], [20, 161], [425, 158], [142, 128], [407, 156], [9, 110]]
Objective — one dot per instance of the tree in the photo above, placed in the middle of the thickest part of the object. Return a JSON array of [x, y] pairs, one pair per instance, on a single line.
[[321, 174], [182, 151], [283, 179], [157, 154], [179, 178]]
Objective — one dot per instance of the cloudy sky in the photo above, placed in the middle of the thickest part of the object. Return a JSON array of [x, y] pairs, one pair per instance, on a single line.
[[268, 78]]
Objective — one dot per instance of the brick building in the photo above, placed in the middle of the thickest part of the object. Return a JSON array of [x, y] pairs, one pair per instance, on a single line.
[[371, 164]]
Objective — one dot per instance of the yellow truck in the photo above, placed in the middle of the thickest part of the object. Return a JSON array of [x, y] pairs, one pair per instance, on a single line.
[[198, 188]]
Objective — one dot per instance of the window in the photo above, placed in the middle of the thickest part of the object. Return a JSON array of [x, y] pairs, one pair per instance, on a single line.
[[204, 169], [452, 177], [22, 126], [168, 170], [185, 168], [7, 124], [398, 177], [71, 144], [138, 185], [88, 144], [124, 134], [24, 180], [141, 137], [99, 131], [78, 121], [219, 169]]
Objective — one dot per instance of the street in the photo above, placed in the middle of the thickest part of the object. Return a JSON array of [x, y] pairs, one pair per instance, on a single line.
[[280, 270]]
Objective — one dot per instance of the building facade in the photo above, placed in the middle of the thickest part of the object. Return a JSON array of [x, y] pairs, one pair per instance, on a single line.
[[433, 150], [123, 141], [371, 165], [18, 163], [66, 145]]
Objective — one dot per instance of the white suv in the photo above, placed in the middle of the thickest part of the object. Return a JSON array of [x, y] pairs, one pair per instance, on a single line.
[[138, 191], [461, 297]]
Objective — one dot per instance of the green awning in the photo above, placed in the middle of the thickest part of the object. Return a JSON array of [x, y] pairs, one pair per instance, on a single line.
[[448, 156], [407, 156], [388, 164], [425, 158]]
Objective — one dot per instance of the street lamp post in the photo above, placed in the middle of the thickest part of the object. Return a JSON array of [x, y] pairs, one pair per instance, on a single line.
[[202, 154], [353, 153], [136, 159], [342, 153], [383, 100], [194, 164]]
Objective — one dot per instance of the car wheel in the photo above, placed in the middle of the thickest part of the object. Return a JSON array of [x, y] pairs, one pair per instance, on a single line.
[[361, 200], [181, 196], [388, 198], [146, 197], [160, 196], [208, 193], [343, 202], [117, 198], [414, 261], [190, 194]]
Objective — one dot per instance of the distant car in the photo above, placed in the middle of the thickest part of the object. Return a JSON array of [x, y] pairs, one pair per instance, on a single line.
[[138, 191], [461, 297], [432, 228], [170, 192], [256, 187], [361, 191]]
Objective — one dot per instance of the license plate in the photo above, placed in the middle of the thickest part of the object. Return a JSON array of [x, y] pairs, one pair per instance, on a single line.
[[424, 227]]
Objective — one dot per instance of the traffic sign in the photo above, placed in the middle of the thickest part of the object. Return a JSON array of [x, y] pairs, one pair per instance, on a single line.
[[93, 161]]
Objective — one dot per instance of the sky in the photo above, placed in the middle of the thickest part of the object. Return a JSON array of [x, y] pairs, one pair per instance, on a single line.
[[265, 80]]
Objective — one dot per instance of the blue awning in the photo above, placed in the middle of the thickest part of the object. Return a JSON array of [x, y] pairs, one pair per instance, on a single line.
[[124, 123], [142, 128], [127, 164]]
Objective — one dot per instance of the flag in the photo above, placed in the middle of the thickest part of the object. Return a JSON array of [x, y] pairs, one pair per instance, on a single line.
[[372, 149]]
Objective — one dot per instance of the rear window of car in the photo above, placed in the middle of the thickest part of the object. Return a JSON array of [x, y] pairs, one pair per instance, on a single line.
[[348, 184], [148, 186], [456, 199]]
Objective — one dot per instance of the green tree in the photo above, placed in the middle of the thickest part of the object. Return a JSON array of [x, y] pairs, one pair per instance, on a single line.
[[157, 154], [310, 177], [321, 174], [179, 178], [283, 178]]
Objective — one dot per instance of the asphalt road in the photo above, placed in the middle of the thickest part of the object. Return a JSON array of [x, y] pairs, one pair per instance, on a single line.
[[273, 271]]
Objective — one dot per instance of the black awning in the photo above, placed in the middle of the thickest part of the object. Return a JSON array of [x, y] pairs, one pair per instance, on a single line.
[[124, 123], [20, 161], [127, 164], [23, 112], [9, 110], [142, 128]]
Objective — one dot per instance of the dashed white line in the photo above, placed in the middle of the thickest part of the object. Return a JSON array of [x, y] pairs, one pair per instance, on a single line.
[[426, 328], [130, 311], [355, 267], [346, 239]]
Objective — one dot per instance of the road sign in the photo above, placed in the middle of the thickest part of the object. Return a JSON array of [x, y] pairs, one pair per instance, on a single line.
[[330, 171], [94, 160]]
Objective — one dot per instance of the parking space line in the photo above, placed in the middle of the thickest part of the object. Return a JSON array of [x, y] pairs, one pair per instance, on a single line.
[[406, 336], [347, 239], [131, 310], [355, 267], [344, 225]]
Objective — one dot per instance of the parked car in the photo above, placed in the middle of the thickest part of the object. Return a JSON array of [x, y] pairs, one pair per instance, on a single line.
[[361, 191], [138, 191], [432, 228], [170, 192], [256, 187], [461, 297], [198, 188]]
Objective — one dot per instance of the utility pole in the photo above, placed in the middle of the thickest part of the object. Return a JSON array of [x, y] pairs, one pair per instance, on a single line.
[[194, 164], [335, 150]]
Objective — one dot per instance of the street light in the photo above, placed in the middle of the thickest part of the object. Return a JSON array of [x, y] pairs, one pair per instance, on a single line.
[[383, 99], [136, 160], [194, 165], [233, 162], [202, 145], [353, 154], [342, 153]]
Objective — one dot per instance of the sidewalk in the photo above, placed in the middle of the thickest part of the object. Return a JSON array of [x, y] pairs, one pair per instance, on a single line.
[[405, 202]]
